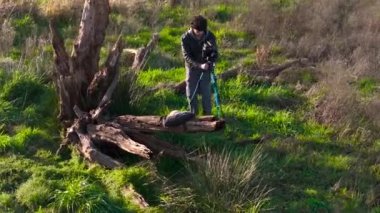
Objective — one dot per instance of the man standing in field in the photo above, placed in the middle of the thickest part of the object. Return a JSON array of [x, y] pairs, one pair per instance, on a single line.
[[199, 50]]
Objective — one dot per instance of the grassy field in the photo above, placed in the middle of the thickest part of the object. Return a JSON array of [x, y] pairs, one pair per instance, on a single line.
[[304, 165]]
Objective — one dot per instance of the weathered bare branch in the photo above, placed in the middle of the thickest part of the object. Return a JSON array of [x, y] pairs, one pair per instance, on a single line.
[[92, 154], [111, 134], [91, 36], [158, 147], [142, 53], [61, 57], [135, 197], [100, 90]]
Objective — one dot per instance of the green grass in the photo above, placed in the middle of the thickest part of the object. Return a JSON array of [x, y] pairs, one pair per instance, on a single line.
[[6, 201], [227, 37], [302, 155], [25, 99], [26, 140], [151, 78], [220, 12], [174, 17], [170, 39], [140, 39], [367, 86], [24, 27], [284, 4], [306, 166], [34, 193], [80, 195]]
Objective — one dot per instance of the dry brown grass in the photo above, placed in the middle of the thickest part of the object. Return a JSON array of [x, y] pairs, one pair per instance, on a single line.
[[262, 55], [65, 8], [7, 33], [342, 36], [228, 183]]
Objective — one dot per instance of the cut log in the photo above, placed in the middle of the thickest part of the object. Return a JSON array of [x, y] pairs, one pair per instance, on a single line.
[[154, 124]]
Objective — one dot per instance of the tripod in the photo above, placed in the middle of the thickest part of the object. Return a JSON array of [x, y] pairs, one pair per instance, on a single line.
[[214, 86]]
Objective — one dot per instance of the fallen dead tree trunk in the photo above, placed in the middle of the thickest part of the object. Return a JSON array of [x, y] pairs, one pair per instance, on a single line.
[[154, 124], [85, 91], [269, 74]]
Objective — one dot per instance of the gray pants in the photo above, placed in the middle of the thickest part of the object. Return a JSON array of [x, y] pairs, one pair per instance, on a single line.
[[204, 89]]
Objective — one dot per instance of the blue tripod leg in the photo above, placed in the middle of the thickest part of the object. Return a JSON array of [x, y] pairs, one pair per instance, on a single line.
[[216, 93]]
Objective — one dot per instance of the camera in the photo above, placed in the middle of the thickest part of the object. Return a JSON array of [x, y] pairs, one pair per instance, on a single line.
[[209, 53]]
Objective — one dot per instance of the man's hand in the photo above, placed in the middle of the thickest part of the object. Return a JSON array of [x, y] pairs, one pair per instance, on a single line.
[[204, 66]]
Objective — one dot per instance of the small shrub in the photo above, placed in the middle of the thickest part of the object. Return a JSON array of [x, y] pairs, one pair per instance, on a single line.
[[5, 143], [12, 175], [25, 99], [23, 90], [6, 201], [79, 195], [367, 86], [221, 13], [29, 140], [24, 26], [34, 193]]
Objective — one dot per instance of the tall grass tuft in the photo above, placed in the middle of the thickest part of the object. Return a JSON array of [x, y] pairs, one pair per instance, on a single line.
[[228, 182], [79, 195], [34, 193]]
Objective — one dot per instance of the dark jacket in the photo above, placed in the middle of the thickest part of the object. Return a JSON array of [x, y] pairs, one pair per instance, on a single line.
[[192, 48]]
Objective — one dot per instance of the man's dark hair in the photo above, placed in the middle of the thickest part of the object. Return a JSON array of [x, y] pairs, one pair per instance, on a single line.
[[199, 23]]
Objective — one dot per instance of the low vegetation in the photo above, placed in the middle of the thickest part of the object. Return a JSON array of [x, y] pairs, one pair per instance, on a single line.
[[308, 141]]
